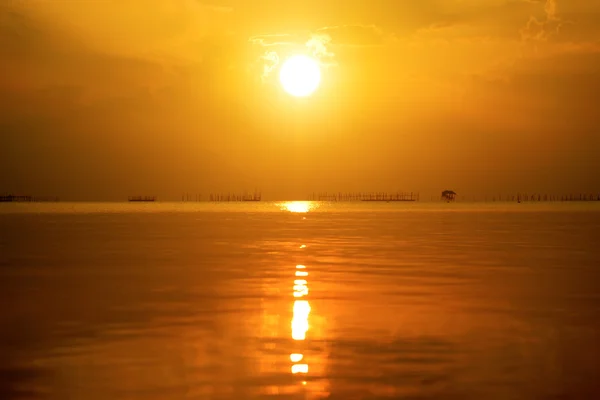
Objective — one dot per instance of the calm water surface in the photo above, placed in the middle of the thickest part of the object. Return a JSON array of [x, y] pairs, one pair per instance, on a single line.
[[257, 301]]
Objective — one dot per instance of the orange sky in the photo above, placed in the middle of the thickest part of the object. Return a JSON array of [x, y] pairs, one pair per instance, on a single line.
[[102, 99]]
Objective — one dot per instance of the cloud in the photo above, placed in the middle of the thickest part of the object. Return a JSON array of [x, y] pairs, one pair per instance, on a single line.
[[169, 30], [51, 74], [37, 56], [270, 62], [278, 39], [339, 35], [318, 43], [314, 44], [558, 91], [161, 82], [545, 28], [354, 35], [317, 46], [64, 99]]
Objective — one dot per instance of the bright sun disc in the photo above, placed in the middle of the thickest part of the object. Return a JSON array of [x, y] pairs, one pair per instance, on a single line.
[[300, 76]]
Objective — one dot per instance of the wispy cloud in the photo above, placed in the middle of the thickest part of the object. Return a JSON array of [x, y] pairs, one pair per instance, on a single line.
[[543, 29], [277, 39], [315, 44], [319, 43], [318, 46], [354, 35], [270, 62]]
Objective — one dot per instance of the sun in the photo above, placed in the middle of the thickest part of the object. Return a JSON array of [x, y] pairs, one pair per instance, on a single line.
[[300, 75]]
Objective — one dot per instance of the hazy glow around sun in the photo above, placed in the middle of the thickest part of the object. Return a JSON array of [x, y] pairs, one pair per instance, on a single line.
[[300, 75]]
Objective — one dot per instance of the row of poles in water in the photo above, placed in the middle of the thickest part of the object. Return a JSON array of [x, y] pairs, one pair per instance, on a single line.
[[536, 197], [224, 197], [399, 196]]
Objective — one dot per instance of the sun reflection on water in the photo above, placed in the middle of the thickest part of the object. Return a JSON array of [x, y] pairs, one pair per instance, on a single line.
[[300, 324], [300, 319], [306, 328], [298, 206]]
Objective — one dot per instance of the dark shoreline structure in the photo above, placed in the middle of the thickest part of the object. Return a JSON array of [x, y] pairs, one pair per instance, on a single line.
[[142, 198], [375, 196], [448, 195], [26, 199]]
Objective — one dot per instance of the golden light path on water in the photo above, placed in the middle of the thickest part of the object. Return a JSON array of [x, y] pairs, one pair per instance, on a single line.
[[299, 324], [301, 309]]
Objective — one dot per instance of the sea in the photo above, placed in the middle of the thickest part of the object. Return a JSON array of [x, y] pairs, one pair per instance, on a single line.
[[300, 300]]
